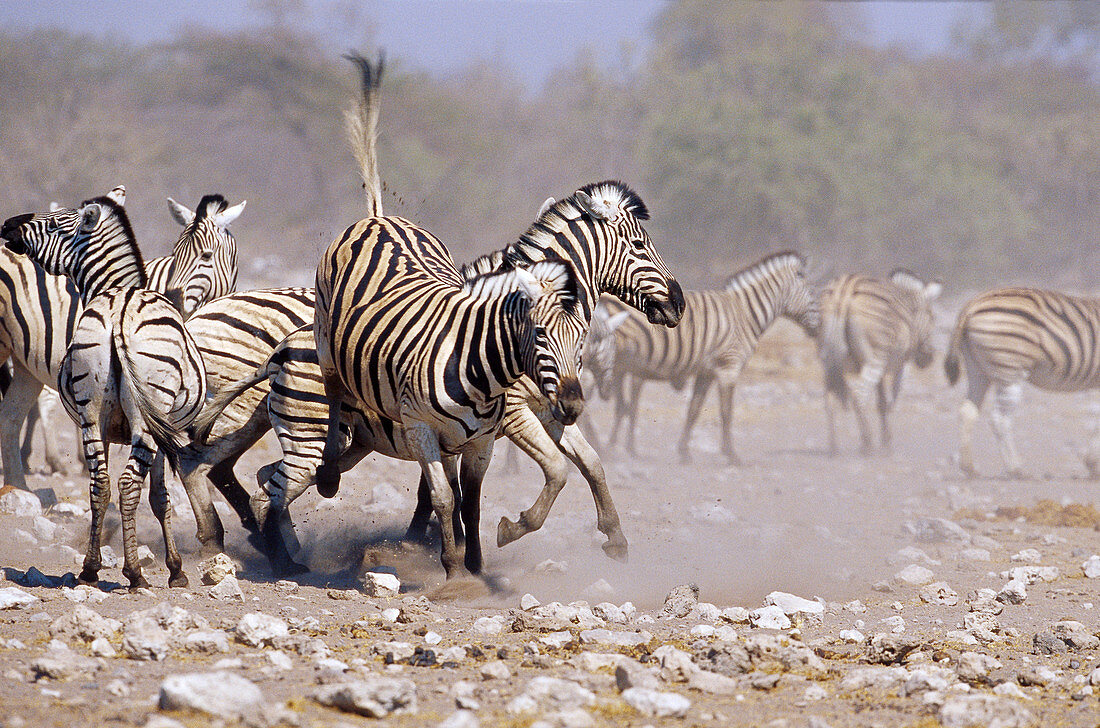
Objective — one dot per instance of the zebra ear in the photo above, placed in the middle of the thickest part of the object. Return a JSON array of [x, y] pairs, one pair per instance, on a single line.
[[614, 322], [932, 290], [228, 215], [54, 207], [549, 202], [89, 217], [180, 213], [596, 208], [529, 284], [118, 194]]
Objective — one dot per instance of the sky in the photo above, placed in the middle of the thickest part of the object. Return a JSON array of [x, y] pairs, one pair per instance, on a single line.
[[533, 37]]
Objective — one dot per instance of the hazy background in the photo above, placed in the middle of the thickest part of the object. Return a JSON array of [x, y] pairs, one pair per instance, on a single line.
[[959, 139]]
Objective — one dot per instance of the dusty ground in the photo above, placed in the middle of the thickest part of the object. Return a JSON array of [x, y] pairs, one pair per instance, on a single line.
[[790, 519]]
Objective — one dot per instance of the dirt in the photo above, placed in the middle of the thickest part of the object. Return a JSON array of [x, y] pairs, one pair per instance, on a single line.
[[789, 518]]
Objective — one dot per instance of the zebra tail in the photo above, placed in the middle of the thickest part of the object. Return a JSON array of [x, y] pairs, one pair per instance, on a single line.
[[834, 352], [164, 431], [951, 360], [216, 404], [362, 128]]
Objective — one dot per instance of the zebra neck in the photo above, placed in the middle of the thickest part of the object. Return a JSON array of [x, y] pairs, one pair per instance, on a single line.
[[108, 258], [576, 245], [509, 314], [760, 299]]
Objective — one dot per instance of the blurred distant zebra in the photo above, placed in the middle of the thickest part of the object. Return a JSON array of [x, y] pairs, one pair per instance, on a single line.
[[717, 335], [131, 372], [1009, 336], [38, 312], [869, 329]]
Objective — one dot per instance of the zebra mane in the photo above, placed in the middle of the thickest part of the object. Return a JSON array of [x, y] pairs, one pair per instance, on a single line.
[[906, 279], [505, 280], [753, 274], [119, 213], [488, 263], [209, 206]]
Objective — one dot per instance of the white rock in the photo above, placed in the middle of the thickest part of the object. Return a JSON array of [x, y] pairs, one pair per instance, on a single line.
[[737, 615], [228, 589], [374, 697], [144, 639], [791, 604], [381, 584], [390, 614], [1094, 677], [12, 597], [926, 679], [618, 639], [558, 693], [1010, 690], [100, 647], [881, 678], [495, 670], [610, 613], [974, 554], [556, 640], [20, 503], [280, 660], [599, 589], [44, 528], [704, 631], [549, 565], [1032, 574], [1014, 592], [938, 592], [895, 623], [708, 611], [146, 558], [527, 602], [769, 618], [108, 557], [432, 638], [855, 607], [400, 651], [460, 719], [914, 575], [206, 641], [851, 636], [488, 626], [256, 628], [676, 665], [656, 703], [216, 568], [1092, 567], [219, 694], [964, 711], [1028, 556], [911, 554]]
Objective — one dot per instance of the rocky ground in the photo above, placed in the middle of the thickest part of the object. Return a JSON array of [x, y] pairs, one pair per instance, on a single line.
[[794, 590]]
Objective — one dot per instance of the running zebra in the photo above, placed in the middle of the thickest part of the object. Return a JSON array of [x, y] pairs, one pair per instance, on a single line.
[[404, 336], [717, 336], [869, 329], [1010, 336], [131, 372], [38, 311]]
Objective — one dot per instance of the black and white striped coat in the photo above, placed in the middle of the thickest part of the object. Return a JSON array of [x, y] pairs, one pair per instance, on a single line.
[[401, 334], [1009, 336], [38, 311], [715, 339], [870, 328], [131, 373]]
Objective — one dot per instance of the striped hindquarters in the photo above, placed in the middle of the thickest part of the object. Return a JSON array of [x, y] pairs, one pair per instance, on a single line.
[[1049, 338], [38, 316]]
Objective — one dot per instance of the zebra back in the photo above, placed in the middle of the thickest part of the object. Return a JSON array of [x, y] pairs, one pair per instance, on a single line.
[[1049, 338], [720, 329], [203, 265]]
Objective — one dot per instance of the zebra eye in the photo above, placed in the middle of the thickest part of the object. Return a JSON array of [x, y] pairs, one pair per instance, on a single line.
[[207, 254]]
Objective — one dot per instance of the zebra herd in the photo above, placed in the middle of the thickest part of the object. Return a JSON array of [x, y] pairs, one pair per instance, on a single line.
[[399, 351]]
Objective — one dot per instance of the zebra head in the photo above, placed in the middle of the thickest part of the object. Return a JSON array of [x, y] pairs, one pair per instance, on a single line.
[[554, 332], [801, 303], [93, 245], [599, 230], [919, 297], [599, 348], [204, 265]]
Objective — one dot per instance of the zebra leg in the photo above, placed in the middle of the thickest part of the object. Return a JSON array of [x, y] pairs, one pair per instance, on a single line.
[[268, 507], [95, 454], [1092, 455], [25, 450], [417, 532], [162, 509], [832, 400], [328, 472], [47, 407], [535, 438], [1008, 397], [423, 444], [977, 384], [725, 412], [870, 374], [699, 390], [16, 404], [129, 494], [632, 411], [584, 456], [208, 525], [474, 464]]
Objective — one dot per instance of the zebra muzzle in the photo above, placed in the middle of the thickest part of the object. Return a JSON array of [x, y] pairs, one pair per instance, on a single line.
[[568, 404], [667, 312]]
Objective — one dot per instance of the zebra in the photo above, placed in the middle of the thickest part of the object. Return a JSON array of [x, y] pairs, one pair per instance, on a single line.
[[1010, 336], [869, 329], [38, 311], [719, 333], [403, 335], [131, 372]]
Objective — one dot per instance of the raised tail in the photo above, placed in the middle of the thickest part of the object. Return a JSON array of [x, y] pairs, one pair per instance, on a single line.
[[362, 128], [833, 350], [951, 360]]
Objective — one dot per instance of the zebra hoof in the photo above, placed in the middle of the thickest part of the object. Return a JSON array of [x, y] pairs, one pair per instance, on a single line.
[[178, 579], [290, 568], [507, 532], [617, 550], [138, 582], [88, 577], [328, 480]]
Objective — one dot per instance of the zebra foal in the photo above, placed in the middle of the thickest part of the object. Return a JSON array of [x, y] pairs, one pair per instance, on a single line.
[[131, 372], [715, 339], [1009, 336], [870, 328]]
